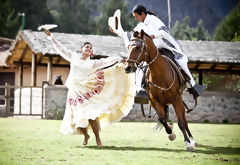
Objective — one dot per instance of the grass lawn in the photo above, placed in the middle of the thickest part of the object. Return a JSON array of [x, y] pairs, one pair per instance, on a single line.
[[35, 141]]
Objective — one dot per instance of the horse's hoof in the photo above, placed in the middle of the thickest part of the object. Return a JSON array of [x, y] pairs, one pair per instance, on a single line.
[[172, 136], [193, 142], [191, 149], [189, 146], [196, 144]]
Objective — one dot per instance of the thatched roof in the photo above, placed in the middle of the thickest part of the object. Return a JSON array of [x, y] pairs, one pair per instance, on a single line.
[[103, 45], [3, 57], [212, 51], [201, 54], [5, 44]]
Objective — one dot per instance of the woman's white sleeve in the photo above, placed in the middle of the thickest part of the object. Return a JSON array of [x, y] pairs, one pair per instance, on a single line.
[[104, 62], [64, 52]]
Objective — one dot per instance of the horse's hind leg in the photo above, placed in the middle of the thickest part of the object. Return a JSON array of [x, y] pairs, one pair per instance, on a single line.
[[180, 112], [162, 118], [166, 110]]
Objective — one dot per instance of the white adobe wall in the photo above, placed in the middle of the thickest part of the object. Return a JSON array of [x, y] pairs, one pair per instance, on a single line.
[[25, 101]]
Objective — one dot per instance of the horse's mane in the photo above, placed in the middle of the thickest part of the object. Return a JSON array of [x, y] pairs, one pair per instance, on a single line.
[[136, 33]]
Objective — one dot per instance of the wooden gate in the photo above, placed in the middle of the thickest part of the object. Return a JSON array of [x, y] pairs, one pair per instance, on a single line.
[[6, 101], [12, 102]]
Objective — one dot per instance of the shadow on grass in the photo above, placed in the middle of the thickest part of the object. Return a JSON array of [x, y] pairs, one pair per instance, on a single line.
[[217, 150], [199, 149], [129, 148]]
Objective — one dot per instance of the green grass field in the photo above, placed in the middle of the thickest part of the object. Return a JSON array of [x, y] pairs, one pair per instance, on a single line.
[[35, 141]]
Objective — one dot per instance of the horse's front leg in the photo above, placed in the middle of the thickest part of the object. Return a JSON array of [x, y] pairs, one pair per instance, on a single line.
[[162, 117], [180, 112], [189, 133]]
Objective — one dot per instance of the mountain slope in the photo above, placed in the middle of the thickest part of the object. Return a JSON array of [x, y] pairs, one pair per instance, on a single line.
[[210, 11]]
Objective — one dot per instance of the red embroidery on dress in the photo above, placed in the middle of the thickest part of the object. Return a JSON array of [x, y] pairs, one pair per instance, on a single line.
[[80, 99], [94, 91], [70, 101], [75, 102]]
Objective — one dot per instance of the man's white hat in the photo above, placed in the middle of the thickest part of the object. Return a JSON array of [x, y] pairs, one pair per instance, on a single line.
[[115, 23]]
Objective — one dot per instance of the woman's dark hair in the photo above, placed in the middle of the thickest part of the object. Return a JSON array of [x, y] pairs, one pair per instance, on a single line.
[[139, 9], [85, 43]]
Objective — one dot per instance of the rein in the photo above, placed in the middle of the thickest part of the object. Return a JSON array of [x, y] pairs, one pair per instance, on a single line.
[[135, 62], [157, 86]]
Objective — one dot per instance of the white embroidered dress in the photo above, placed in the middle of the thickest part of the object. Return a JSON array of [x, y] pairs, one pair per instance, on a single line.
[[105, 95]]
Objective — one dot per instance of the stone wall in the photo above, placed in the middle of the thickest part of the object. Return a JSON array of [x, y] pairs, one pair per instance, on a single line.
[[213, 107], [54, 101], [3, 110]]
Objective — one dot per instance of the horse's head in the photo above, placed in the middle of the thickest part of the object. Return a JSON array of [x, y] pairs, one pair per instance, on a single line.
[[136, 51]]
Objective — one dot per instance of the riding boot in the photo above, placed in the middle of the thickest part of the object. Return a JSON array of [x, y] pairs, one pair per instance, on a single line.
[[197, 89]]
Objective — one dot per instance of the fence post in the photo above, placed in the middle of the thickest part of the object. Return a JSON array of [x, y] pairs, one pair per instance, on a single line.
[[7, 99], [20, 100], [31, 100], [43, 97]]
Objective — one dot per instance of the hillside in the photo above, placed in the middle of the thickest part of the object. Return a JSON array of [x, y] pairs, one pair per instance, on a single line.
[[210, 11]]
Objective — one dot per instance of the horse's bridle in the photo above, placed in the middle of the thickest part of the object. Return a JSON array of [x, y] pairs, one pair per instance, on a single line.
[[138, 41], [142, 42]]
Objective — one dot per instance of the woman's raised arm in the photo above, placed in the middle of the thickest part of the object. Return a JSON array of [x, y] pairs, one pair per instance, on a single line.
[[62, 51]]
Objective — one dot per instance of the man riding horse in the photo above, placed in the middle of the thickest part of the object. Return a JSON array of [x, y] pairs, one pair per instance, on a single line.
[[162, 39]]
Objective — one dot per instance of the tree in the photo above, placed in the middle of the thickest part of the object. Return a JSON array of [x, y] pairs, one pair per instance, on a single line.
[[182, 30], [200, 33], [9, 21], [36, 12], [107, 9], [74, 16], [229, 28], [236, 37]]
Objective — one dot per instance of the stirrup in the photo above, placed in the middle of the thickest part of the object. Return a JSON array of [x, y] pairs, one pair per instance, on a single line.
[[141, 97]]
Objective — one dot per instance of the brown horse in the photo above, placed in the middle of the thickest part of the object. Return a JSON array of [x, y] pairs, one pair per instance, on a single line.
[[165, 87]]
